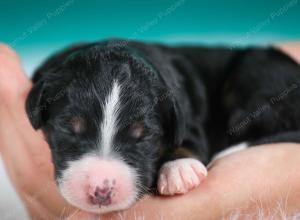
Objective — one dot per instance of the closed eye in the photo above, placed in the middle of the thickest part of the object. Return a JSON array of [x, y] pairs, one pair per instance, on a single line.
[[137, 130], [71, 126], [78, 125]]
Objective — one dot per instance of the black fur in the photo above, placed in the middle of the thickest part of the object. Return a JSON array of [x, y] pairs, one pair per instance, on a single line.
[[203, 99]]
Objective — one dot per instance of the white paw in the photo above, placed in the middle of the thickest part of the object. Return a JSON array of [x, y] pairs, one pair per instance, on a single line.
[[180, 176]]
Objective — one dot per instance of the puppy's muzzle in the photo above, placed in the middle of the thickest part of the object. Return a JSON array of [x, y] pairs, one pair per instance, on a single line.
[[99, 185]]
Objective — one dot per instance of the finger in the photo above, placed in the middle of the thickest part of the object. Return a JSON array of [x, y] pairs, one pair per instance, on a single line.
[[13, 146], [290, 48], [14, 88], [5, 49], [14, 85], [12, 79], [14, 120]]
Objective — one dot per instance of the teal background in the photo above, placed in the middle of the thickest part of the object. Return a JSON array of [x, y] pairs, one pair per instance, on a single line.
[[37, 28]]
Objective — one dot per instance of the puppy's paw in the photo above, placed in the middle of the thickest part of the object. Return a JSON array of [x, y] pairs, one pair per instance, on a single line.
[[180, 176]]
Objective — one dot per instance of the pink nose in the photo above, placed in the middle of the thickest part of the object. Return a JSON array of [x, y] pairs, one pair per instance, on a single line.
[[92, 182], [102, 194]]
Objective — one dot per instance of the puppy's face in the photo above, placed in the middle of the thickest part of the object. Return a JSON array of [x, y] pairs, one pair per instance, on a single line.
[[109, 120]]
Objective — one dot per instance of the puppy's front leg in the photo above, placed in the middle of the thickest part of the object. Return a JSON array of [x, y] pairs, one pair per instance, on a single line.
[[184, 170]]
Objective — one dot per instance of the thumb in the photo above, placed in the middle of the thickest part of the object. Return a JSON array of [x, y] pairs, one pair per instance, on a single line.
[[14, 85], [14, 88], [13, 81]]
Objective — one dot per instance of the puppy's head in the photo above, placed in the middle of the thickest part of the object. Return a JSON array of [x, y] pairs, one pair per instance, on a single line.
[[109, 119]]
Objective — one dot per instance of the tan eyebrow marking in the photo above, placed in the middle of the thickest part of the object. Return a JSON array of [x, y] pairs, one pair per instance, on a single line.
[[78, 124], [137, 130]]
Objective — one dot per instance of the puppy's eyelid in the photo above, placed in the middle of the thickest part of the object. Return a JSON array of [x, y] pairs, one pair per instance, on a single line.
[[137, 130], [78, 124]]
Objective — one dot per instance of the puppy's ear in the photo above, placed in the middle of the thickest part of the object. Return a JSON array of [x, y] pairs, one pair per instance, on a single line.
[[57, 59], [35, 104], [173, 120]]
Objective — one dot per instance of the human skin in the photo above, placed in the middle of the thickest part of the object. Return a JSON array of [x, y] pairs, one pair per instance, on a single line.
[[259, 177]]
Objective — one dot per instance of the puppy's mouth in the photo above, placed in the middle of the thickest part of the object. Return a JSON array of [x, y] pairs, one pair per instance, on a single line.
[[99, 185]]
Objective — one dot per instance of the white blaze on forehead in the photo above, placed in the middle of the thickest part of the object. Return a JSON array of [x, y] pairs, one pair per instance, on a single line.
[[110, 118]]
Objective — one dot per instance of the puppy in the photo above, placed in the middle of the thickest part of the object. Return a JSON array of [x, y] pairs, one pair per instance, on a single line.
[[125, 118]]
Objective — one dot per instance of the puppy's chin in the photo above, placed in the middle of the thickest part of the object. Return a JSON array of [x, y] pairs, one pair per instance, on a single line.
[[99, 185]]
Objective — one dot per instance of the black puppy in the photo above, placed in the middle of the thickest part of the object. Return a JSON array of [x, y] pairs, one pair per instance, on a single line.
[[123, 117]]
